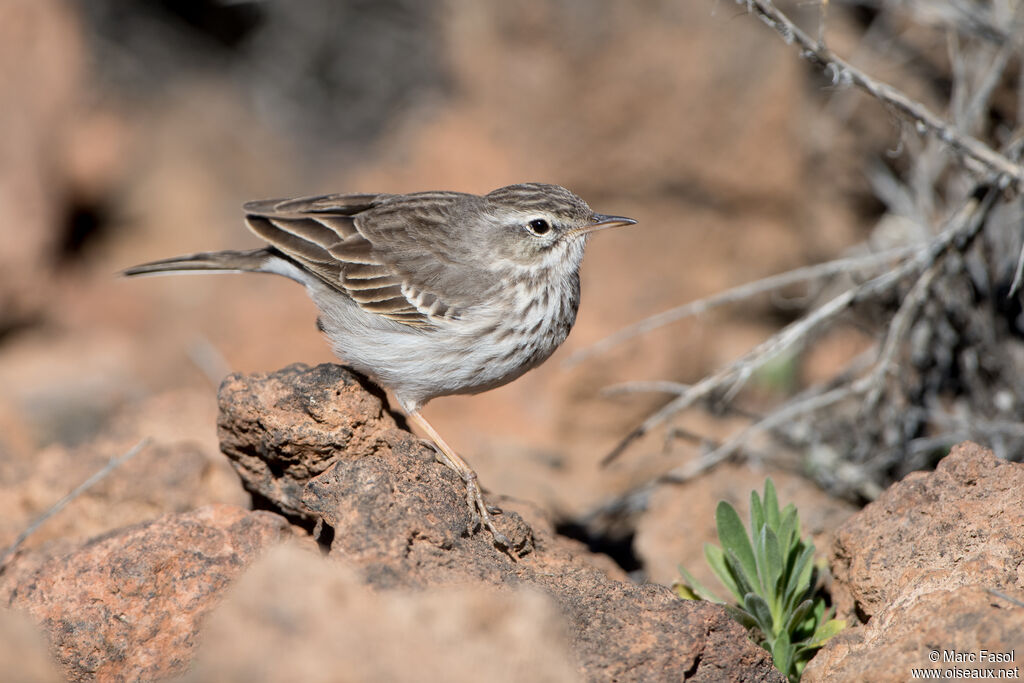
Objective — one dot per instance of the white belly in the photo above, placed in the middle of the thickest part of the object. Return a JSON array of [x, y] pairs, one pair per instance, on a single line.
[[480, 351]]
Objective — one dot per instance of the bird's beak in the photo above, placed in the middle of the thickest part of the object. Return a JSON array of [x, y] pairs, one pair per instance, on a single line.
[[603, 222]]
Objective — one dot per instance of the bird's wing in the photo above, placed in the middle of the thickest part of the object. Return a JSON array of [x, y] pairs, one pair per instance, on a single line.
[[382, 251]]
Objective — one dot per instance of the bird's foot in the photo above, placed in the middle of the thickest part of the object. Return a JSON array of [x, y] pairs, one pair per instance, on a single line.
[[481, 515], [481, 512]]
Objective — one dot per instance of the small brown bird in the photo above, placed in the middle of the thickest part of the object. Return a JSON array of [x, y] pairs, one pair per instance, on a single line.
[[431, 293]]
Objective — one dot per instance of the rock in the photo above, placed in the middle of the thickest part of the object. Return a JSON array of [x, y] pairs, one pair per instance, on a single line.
[[163, 477], [959, 525], [962, 622], [298, 616], [127, 606], [627, 632], [421, 503], [318, 445], [407, 581], [304, 420], [386, 508], [915, 570]]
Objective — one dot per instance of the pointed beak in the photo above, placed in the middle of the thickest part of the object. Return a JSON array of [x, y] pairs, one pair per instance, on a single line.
[[603, 222]]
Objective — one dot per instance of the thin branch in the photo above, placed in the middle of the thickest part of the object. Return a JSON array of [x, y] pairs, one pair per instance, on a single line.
[[925, 444], [1007, 173], [1018, 274], [656, 386], [951, 14], [983, 92], [822, 20], [96, 478], [870, 384], [636, 498], [740, 293], [976, 426], [752, 359], [774, 420], [767, 349], [964, 226], [683, 434], [810, 400], [898, 329]]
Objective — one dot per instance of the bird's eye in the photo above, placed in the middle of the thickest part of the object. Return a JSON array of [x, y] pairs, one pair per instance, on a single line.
[[539, 226]]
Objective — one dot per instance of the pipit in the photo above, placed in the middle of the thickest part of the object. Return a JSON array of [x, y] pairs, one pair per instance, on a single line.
[[429, 294]]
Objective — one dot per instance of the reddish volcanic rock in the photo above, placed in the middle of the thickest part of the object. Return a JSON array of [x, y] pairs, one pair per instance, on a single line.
[[921, 570], [127, 605], [385, 507], [402, 560]]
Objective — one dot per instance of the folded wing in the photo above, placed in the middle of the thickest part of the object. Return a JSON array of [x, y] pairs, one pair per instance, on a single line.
[[379, 250]]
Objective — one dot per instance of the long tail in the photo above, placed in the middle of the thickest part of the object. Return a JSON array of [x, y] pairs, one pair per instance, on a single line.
[[256, 260]]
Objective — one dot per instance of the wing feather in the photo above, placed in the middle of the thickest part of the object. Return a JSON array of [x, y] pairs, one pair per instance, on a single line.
[[382, 251], [280, 233]]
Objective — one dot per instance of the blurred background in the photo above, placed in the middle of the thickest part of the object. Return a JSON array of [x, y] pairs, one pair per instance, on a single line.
[[134, 131]]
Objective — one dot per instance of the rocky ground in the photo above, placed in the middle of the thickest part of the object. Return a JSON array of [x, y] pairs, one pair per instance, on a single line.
[[363, 558], [252, 537]]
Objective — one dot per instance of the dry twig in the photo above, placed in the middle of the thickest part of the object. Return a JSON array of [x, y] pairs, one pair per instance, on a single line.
[[963, 229], [741, 293], [1006, 172], [939, 309]]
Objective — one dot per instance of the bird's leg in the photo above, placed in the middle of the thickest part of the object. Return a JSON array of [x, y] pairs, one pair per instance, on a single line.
[[473, 494]]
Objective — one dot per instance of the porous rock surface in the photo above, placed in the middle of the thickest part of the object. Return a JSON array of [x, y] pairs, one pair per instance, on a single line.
[[397, 567], [127, 606], [322, 625], [385, 507], [932, 570]]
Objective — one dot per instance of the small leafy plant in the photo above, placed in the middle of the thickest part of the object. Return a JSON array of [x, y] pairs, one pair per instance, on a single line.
[[772, 575]]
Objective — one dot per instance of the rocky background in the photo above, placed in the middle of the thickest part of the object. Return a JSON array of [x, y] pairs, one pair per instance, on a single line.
[[135, 133]]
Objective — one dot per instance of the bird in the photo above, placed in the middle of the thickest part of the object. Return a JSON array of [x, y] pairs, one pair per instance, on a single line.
[[429, 294]]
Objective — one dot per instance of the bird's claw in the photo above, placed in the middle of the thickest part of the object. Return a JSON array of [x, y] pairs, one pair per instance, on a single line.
[[481, 513]]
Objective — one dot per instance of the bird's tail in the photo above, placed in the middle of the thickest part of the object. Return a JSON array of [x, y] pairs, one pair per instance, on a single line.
[[255, 260]]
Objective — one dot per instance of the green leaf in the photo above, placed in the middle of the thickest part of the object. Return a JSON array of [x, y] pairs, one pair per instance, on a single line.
[[745, 584], [771, 505], [762, 563], [773, 556], [782, 653], [799, 578], [716, 560], [745, 619], [802, 580], [780, 590], [819, 611], [756, 513], [769, 566], [788, 540], [797, 616], [699, 590], [758, 608], [770, 569], [733, 538], [824, 633]]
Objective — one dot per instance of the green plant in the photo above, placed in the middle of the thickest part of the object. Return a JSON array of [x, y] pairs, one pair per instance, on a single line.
[[772, 575]]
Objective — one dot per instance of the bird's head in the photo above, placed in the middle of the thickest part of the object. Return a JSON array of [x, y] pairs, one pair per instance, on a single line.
[[533, 224]]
